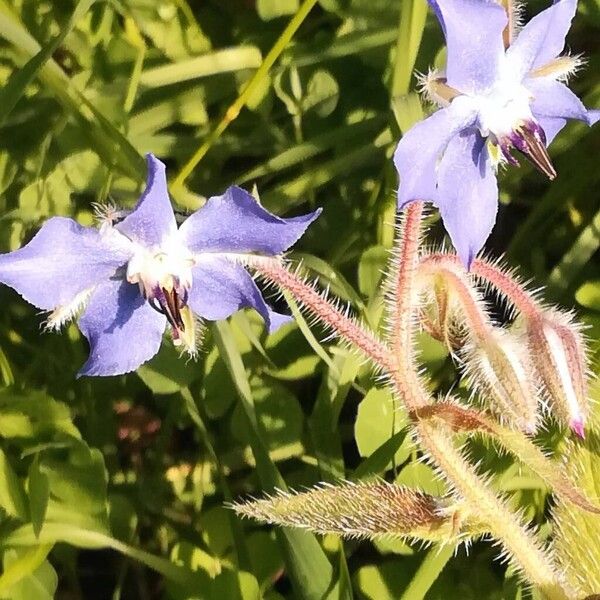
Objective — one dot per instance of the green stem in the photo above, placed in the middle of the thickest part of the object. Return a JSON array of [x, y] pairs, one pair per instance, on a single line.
[[234, 110], [410, 32]]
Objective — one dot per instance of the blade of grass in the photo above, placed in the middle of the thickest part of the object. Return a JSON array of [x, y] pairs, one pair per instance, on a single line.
[[241, 548], [410, 33], [11, 93], [299, 153], [212, 63], [233, 111], [576, 258]]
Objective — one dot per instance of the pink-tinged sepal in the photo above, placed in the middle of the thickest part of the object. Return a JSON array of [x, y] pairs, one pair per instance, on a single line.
[[577, 425], [556, 342]]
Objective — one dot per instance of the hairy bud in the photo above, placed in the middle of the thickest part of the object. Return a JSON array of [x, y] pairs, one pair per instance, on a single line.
[[359, 510], [557, 344], [500, 370]]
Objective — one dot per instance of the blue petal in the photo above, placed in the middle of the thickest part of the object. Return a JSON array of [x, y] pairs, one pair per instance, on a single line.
[[152, 219], [551, 126], [123, 330], [62, 260], [418, 151], [236, 222], [542, 39], [221, 287], [473, 30], [554, 99], [467, 194]]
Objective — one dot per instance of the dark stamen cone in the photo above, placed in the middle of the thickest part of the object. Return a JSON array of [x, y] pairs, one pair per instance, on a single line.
[[530, 139]]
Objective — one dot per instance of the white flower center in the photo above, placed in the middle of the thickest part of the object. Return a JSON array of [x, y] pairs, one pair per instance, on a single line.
[[503, 109], [167, 267]]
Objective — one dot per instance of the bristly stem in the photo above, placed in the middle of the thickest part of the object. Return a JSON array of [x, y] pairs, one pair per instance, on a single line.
[[319, 306], [463, 478], [489, 272], [519, 542], [403, 288], [401, 306]]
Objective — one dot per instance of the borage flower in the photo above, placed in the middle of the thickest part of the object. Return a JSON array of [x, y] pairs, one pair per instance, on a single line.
[[134, 275], [498, 95]]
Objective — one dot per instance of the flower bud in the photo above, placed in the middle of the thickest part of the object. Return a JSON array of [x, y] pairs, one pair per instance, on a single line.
[[364, 510], [499, 369], [556, 342]]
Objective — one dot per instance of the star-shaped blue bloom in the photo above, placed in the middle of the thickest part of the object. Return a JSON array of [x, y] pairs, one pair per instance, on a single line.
[[498, 96], [135, 275]]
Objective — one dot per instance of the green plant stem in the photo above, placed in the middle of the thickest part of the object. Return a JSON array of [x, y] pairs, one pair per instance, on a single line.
[[410, 32], [234, 110], [520, 544]]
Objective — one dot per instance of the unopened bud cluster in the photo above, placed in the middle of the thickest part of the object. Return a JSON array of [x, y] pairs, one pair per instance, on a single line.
[[515, 370]]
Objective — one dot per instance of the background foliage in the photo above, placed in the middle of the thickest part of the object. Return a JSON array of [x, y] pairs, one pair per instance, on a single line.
[[115, 488]]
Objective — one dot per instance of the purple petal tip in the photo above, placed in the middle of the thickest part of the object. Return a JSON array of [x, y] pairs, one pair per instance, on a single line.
[[578, 427]]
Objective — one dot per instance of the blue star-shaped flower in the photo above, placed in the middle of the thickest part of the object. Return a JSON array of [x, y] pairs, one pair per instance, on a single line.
[[497, 95], [133, 276]]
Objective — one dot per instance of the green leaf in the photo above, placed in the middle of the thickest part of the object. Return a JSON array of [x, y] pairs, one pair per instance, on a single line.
[[322, 94], [85, 538], [33, 415], [588, 295], [370, 269], [301, 368], [12, 494], [28, 575], [428, 571], [168, 372], [106, 139], [379, 460], [280, 418], [77, 482], [378, 420], [80, 172], [15, 88], [271, 9], [39, 492]]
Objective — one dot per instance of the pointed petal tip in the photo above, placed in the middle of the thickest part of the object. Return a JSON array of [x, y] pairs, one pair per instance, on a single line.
[[153, 162], [593, 116], [278, 320], [578, 427]]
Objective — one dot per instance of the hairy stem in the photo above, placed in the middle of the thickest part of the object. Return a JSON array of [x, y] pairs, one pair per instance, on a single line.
[[318, 305], [518, 542], [489, 272], [402, 305], [401, 367]]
